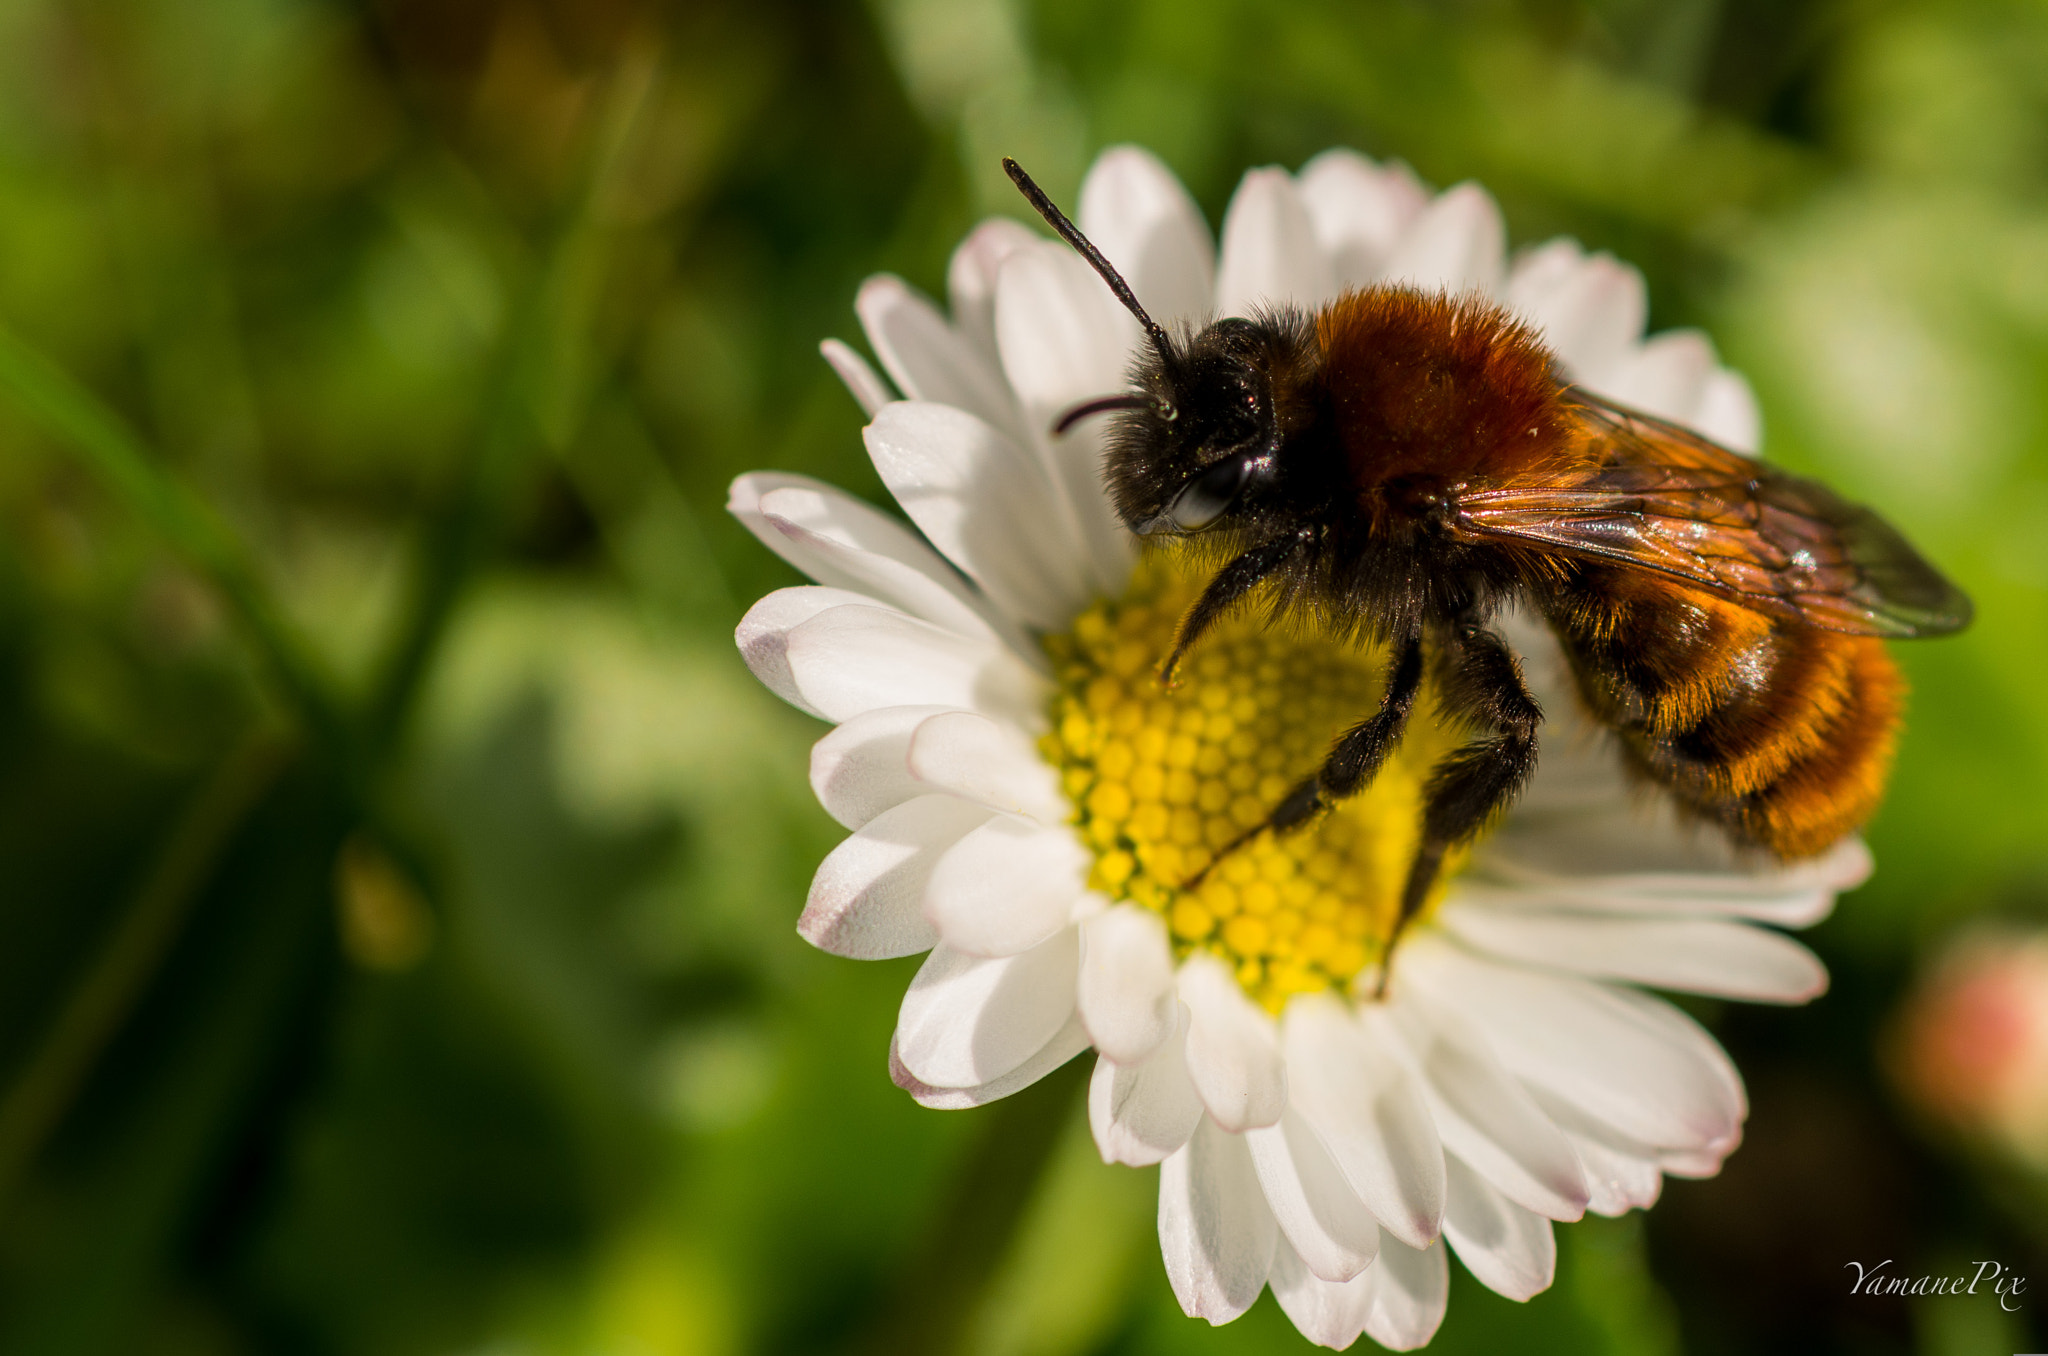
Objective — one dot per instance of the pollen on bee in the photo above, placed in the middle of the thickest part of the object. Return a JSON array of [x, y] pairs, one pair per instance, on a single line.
[[1161, 779]]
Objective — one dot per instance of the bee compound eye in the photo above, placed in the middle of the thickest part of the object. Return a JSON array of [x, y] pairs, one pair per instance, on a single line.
[[1205, 498]]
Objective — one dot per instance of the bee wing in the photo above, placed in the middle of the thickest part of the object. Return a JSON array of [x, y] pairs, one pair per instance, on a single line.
[[1655, 496]]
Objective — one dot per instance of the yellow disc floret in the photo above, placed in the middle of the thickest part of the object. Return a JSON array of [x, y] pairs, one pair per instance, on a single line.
[[1162, 778]]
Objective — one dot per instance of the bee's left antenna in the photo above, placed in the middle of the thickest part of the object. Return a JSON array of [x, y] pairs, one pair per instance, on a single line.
[[1071, 233]]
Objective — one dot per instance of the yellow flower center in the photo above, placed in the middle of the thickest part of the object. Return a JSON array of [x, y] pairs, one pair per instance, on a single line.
[[1162, 778]]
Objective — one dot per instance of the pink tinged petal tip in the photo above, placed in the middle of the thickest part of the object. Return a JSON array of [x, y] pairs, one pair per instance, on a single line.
[[1215, 1232], [866, 901], [1346, 1079], [1233, 1051], [763, 636], [1127, 993], [1328, 1313], [1140, 1113], [1069, 1041], [861, 381], [1319, 1214], [968, 1020], [971, 279], [1410, 1290], [1510, 1250]]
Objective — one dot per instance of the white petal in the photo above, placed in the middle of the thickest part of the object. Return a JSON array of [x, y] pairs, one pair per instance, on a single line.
[[1271, 256], [1626, 1059], [1329, 1313], [763, 635], [1233, 1052], [1666, 377], [1144, 222], [863, 381], [1702, 1162], [1590, 308], [1621, 1174], [986, 503], [862, 767], [1319, 1214], [1484, 1115], [866, 901], [1456, 244], [1695, 955], [985, 760], [1215, 1232], [839, 541], [1142, 1112], [857, 658], [925, 356], [1728, 414], [1009, 885], [1068, 1041], [971, 280], [967, 1020], [1359, 211], [1065, 339], [1127, 994], [1409, 1291], [1509, 1249], [1344, 1076]]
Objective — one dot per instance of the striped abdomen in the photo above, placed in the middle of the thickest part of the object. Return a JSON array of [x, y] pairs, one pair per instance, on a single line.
[[1779, 732]]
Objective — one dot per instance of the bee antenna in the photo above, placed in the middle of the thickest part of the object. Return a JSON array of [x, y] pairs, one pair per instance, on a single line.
[[1071, 233]]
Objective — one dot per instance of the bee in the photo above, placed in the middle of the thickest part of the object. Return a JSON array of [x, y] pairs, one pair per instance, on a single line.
[[1402, 465]]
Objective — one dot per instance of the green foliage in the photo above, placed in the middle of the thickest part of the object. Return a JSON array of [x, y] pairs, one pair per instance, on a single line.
[[399, 865]]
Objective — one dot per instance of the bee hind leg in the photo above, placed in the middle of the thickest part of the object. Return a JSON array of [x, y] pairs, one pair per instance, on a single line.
[[1475, 782], [1354, 760]]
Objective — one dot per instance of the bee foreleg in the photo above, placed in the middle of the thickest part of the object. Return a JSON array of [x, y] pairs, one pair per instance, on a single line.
[[1475, 782], [1231, 584], [1354, 760]]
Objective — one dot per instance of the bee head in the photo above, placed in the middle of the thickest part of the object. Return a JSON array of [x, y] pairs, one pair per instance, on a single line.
[[1197, 441]]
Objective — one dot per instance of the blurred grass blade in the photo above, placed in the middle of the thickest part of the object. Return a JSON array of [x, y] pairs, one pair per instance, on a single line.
[[147, 928], [79, 421]]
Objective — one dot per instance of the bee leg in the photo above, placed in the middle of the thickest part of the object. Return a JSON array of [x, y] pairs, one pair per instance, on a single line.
[[1475, 782], [1231, 584], [1352, 762]]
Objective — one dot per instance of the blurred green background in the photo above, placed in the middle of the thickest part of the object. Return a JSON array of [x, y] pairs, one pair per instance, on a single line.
[[397, 865]]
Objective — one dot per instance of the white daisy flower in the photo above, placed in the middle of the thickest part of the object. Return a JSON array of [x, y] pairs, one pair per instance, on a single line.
[[1025, 799]]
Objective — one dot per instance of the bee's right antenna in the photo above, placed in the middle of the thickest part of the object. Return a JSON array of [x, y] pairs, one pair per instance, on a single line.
[[1086, 248]]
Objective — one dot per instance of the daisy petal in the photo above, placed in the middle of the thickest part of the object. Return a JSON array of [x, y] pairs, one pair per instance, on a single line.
[[1140, 1113], [1344, 1078], [1232, 1051], [1126, 994], [1409, 1292], [862, 767], [1625, 1059], [1484, 1115], [763, 635], [971, 280], [1068, 1041], [1319, 1214], [863, 381], [857, 658], [986, 504], [968, 1020], [1694, 955], [1590, 308], [1666, 377], [924, 356], [1329, 1313], [1727, 413], [1065, 339], [1215, 1231], [988, 761], [839, 541], [1145, 224], [1510, 1250], [1359, 210], [1621, 1174], [866, 899], [1006, 887], [1270, 253], [1456, 243]]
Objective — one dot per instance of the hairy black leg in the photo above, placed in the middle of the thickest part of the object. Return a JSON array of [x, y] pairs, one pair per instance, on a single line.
[[1354, 760], [1231, 583], [1475, 782]]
